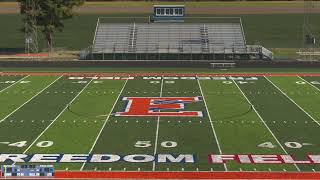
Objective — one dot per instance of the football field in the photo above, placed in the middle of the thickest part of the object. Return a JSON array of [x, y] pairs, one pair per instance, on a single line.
[[176, 123]]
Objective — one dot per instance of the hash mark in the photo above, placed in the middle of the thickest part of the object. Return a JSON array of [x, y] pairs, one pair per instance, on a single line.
[[307, 144]]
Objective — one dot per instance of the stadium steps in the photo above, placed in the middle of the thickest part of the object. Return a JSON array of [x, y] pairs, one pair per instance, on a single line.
[[132, 39], [204, 39]]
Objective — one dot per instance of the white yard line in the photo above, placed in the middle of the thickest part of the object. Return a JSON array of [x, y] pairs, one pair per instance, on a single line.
[[58, 116], [14, 83], [157, 131], [309, 83], [293, 102], [212, 127], [263, 121], [29, 99], [105, 122]]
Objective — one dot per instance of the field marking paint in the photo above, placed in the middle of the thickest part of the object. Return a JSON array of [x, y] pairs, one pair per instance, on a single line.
[[309, 83], [212, 127], [293, 102], [30, 99], [57, 116], [157, 131], [14, 83], [250, 74], [105, 122], [274, 136]]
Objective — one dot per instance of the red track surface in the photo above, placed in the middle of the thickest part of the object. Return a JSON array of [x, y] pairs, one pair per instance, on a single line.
[[179, 175], [188, 175], [151, 74]]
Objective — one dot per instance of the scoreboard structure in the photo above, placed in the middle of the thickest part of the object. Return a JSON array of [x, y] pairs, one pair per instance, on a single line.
[[27, 171], [168, 13]]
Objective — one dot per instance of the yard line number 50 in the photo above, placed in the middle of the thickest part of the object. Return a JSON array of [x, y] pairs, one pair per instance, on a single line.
[[165, 144]]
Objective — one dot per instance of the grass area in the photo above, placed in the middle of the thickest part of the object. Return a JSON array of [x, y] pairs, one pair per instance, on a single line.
[[30, 88], [199, 4], [115, 4], [283, 53], [94, 113], [272, 31], [240, 115], [282, 116], [237, 109]]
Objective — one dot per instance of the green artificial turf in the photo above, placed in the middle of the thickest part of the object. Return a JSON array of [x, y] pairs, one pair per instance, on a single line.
[[240, 116]]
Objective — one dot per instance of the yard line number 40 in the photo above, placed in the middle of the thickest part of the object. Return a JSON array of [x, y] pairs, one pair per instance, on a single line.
[[41, 144], [292, 145]]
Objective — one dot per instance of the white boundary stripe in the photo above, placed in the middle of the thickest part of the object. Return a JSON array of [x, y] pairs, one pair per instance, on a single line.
[[294, 102], [14, 83], [157, 132], [309, 83], [212, 127], [263, 121], [30, 99], [58, 116], [105, 122]]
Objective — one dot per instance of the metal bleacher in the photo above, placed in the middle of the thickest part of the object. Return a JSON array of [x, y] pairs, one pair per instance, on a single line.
[[172, 41], [169, 38]]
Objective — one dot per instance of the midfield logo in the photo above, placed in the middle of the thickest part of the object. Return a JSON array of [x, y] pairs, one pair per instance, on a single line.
[[156, 106]]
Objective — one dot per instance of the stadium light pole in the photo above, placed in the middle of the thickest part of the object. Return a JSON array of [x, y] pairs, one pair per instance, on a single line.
[[30, 29]]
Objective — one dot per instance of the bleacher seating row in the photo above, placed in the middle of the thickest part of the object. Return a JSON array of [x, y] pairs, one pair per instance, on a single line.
[[169, 38]]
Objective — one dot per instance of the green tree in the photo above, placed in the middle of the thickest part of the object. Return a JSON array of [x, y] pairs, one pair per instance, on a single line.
[[50, 14]]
